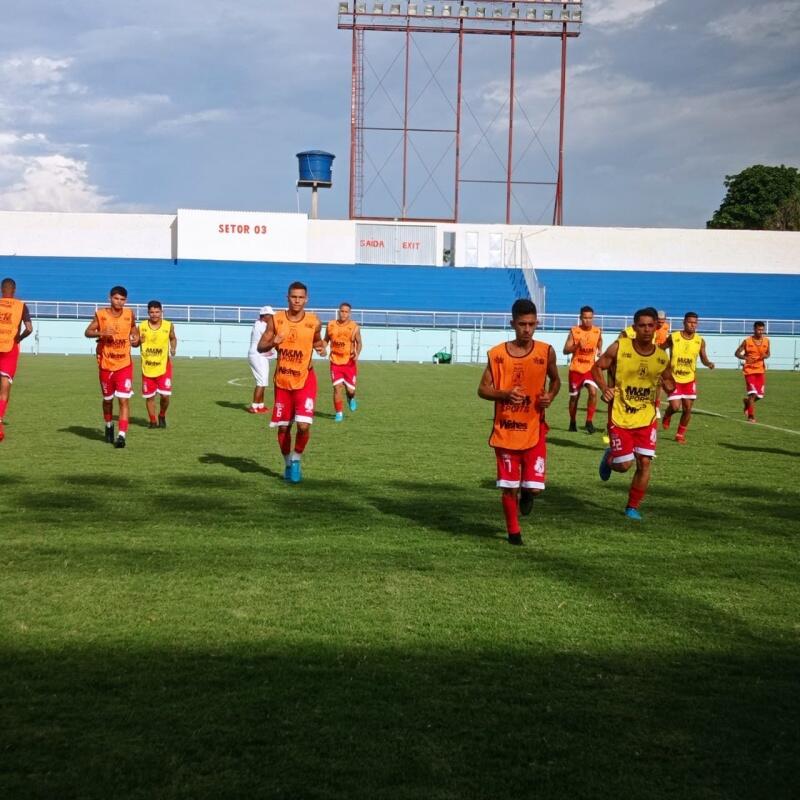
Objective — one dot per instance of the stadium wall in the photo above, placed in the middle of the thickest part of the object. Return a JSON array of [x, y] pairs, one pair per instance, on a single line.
[[198, 256], [231, 341]]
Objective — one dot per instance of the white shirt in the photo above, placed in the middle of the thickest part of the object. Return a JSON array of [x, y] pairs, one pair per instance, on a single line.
[[259, 326]]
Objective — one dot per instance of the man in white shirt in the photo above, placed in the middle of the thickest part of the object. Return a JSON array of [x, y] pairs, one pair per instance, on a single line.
[[259, 362]]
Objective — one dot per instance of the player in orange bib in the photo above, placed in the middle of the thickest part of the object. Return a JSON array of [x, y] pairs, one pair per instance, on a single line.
[[584, 343], [344, 337], [514, 379], [15, 325], [754, 351], [115, 330], [295, 335]]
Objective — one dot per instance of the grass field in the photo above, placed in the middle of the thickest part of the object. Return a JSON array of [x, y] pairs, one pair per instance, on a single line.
[[177, 622]]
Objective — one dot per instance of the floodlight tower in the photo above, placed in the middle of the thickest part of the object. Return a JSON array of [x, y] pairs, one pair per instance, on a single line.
[[513, 20]]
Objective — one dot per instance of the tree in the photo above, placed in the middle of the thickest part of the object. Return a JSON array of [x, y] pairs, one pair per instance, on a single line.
[[760, 198]]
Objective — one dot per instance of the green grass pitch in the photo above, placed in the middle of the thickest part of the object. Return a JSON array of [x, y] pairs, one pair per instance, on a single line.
[[177, 622]]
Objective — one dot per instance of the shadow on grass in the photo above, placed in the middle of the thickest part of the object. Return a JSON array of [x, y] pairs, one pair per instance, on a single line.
[[777, 451], [324, 415], [271, 719], [233, 406], [94, 434], [244, 465], [582, 443]]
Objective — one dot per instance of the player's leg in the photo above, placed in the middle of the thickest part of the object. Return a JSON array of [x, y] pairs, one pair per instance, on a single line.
[[338, 401], [639, 484], [574, 391], [686, 416], [150, 405], [5, 394], [259, 366], [305, 400], [509, 477], [618, 456], [124, 418], [673, 408], [282, 414], [163, 406], [123, 391], [350, 385], [591, 406], [534, 471]]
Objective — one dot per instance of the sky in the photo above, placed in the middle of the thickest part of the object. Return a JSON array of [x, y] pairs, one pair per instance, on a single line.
[[149, 106]]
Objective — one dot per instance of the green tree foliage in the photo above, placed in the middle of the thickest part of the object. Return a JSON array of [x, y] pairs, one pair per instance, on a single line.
[[760, 198]]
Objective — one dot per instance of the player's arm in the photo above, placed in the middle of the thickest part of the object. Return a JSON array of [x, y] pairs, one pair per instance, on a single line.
[[93, 329], [740, 350], [269, 339], [599, 345], [318, 344], [704, 357], [570, 346], [357, 344], [607, 361], [327, 337], [767, 354], [545, 399], [27, 325], [487, 391], [173, 341], [135, 335], [667, 381]]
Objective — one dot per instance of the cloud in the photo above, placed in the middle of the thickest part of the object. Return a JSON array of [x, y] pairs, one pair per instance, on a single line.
[[619, 13], [34, 71], [771, 24], [50, 183], [188, 123]]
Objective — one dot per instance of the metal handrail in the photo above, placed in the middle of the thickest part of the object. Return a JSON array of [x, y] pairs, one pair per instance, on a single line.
[[393, 318]]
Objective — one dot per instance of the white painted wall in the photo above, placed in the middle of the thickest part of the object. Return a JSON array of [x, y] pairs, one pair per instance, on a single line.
[[28, 233]]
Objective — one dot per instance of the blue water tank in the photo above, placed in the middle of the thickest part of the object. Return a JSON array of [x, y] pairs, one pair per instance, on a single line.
[[316, 167]]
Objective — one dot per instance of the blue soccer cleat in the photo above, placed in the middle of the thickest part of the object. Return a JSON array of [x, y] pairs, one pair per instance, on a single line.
[[605, 468], [295, 473], [287, 473], [633, 513], [352, 403], [339, 417]]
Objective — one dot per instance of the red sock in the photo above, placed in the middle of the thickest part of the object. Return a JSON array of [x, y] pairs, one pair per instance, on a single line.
[[511, 513], [590, 413], [162, 415], [681, 431], [152, 418], [3, 407], [123, 426], [635, 496], [751, 412], [108, 417], [285, 439], [301, 440], [338, 406]]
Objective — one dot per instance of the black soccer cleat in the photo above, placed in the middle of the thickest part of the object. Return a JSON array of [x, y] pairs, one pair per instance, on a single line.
[[526, 502], [573, 427], [162, 422], [152, 425], [589, 427], [515, 539], [120, 442], [110, 434]]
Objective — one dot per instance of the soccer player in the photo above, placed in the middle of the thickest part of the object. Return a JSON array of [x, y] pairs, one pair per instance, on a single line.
[[754, 351], [15, 325], [259, 362], [158, 342], [584, 343], [638, 365], [115, 330], [661, 335], [684, 348], [344, 337], [514, 379], [295, 334]]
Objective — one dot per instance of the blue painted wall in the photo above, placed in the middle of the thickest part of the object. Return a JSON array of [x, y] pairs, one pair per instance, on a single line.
[[403, 288]]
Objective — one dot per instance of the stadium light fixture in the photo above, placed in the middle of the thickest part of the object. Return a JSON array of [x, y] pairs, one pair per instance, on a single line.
[[548, 14], [577, 16], [499, 13], [361, 8], [514, 13], [531, 13], [446, 10], [412, 9], [429, 9], [377, 8], [565, 16], [480, 11], [344, 8], [463, 11], [394, 8]]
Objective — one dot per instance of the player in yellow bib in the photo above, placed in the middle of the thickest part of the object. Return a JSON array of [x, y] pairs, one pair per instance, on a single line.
[[158, 345], [15, 325], [639, 367], [685, 347]]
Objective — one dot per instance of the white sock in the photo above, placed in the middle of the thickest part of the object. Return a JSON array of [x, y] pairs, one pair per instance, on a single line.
[[288, 459], [294, 456], [110, 424], [123, 434]]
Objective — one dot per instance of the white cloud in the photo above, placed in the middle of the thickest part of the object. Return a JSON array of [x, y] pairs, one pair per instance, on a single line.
[[50, 183], [34, 70], [770, 24], [619, 13], [186, 123]]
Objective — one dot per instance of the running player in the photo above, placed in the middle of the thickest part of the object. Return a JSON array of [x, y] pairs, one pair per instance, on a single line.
[[15, 325], [259, 362], [638, 366], [754, 351], [158, 342], [344, 337], [115, 330], [295, 333], [585, 343], [514, 379], [661, 337], [684, 348]]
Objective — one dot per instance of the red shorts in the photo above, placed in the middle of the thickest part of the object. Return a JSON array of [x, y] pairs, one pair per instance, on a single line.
[[162, 384], [117, 382], [526, 468], [625, 442], [756, 384], [8, 362], [345, 373], [579, 379], [295, 405], [684, 391]]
